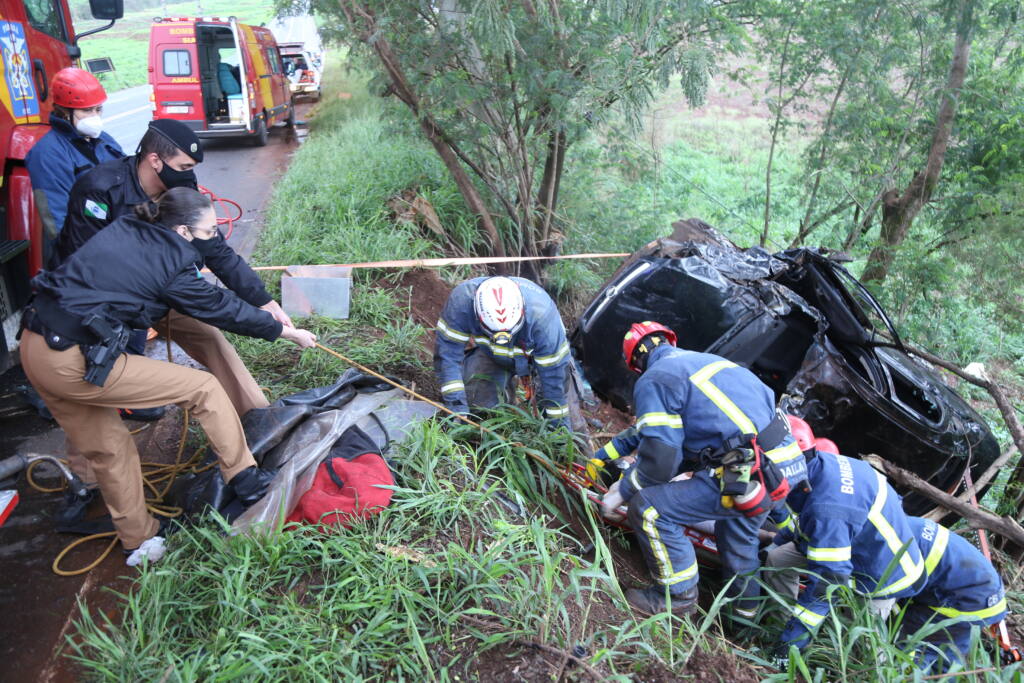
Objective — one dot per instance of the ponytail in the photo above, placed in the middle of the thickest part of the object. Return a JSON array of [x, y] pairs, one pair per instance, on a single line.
[[176, 206]]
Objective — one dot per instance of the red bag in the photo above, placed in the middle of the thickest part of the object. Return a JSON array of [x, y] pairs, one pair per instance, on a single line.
[[345, 490]]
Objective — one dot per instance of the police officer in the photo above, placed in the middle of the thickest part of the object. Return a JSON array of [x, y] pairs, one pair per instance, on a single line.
[[692, 409], [961, 584], [851, 527], [513, 324], [75, 332], [76, 142], [167, 155]]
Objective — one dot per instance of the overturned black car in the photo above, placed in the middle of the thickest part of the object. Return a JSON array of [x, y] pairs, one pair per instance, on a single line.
[[808, 329]]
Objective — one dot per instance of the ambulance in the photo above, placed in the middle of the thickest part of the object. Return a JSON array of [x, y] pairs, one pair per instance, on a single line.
[[219, 77]]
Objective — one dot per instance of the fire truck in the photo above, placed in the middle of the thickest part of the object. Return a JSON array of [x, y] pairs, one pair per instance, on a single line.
[[37, 39]]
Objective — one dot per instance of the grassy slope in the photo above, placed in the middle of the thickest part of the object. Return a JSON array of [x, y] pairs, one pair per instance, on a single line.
[[299, 606], [127, 43]]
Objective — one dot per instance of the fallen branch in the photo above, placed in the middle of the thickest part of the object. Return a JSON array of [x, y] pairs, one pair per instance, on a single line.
[[978, 518], [496, 627]]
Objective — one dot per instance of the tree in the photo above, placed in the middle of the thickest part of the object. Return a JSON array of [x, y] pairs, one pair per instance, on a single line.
[[501, 89]]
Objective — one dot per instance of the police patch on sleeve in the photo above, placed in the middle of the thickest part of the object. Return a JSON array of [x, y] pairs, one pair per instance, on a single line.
[[96, 209]]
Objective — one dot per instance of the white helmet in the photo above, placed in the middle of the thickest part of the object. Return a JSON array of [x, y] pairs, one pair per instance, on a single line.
[[499, 308]]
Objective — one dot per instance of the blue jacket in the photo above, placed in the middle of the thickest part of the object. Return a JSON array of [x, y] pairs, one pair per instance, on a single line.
[[689, 401], [541, 340], [61, 156], [853, 531], [961, 582]]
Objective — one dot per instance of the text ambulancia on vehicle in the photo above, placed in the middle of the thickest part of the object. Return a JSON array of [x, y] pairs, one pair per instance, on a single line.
[[220, 77]]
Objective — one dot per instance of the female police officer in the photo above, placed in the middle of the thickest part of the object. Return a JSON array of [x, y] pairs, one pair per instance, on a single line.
[[127, 276]]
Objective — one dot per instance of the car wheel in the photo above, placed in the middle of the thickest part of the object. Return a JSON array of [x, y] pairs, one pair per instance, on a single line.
[[261, 134]]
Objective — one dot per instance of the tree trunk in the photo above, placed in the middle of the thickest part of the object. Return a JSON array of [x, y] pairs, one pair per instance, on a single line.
[[900, 210]]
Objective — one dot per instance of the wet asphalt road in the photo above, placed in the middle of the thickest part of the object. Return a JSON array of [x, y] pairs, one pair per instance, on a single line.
[[37, 607]]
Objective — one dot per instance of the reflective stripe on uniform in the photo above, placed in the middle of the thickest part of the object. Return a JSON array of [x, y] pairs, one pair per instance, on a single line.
[[829, 554], [702, 380], [634, 480], [557, 411], [786, 523], [938, 548], [659, 420], [666, 577], [975, 614], [555, 358], [811, 620], [450, 387], [450, 332], [611, 451], [502, 350], [785, 453], [911, 571]]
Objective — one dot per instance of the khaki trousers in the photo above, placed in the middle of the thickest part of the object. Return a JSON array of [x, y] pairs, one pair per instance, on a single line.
[[88, 415], [209, 347]]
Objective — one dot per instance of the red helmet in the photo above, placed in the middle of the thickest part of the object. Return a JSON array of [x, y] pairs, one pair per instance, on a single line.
[[801, 432], [77, 89], [824, 445], [637, 331]]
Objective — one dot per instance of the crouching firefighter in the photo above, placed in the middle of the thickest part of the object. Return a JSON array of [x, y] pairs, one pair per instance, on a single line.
[[852, 529], [515, 331], [702, 413], [73, 341]]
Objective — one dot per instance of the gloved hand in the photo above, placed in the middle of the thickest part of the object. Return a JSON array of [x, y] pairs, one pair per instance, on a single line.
[[611, 502], [594, 467]]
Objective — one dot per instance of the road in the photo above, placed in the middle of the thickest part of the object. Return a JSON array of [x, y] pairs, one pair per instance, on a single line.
[[36, 606]]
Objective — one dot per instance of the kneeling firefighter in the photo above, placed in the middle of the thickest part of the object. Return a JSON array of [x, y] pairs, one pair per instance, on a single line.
[[75, 331], [702, 413]]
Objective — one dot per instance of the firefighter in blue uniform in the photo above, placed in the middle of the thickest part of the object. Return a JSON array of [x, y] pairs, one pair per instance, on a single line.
[[691, 410], [961, 585], [853, 531], [513, 325]]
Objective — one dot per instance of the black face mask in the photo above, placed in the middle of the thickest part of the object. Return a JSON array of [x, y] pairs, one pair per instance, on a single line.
[[172, 178], [206, 247]]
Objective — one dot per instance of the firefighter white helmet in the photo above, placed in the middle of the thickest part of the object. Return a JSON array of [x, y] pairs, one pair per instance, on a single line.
[[498, 304]]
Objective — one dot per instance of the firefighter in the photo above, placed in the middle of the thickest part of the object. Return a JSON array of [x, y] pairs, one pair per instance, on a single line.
[[692, 411], [515, 330], [72, 350], [961, 585], [166, 157], [76, 142], [853, 531]]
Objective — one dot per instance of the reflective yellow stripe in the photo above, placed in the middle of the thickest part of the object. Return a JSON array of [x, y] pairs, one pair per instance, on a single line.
[[702, 380], [786, 523], [666, 577], [659, 420], [449, 387], [451, 332], [559, 411], [555, 358], [611, 451], [912, 572], [938, 548], [976, 614], [784, 453], [810, 619], [634, 481], [499, 349], [829, 554]]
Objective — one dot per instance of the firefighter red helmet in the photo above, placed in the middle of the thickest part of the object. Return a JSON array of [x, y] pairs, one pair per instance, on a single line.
[[636, 334], [77, 89], [824, 445], [801, 432]]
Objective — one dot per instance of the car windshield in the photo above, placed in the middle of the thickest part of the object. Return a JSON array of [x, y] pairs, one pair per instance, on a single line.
[[881, 325]]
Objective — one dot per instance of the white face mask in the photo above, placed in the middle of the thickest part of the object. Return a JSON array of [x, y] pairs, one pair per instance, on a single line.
[[90, 126]]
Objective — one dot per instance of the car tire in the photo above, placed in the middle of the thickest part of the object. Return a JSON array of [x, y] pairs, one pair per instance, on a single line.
[[261, 135]]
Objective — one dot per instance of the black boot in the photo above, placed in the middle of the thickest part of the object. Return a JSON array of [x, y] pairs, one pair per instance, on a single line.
[[142, 414], [651, 601], [251, 484], [72, 510]]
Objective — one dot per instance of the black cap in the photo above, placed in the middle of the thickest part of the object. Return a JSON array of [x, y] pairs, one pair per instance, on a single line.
[[180, 135]]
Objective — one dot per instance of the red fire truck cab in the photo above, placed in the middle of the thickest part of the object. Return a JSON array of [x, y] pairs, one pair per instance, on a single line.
[[37, 39], [222, 78]]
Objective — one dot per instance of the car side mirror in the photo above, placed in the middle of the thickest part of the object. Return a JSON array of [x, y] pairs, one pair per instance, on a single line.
[[108, 10]]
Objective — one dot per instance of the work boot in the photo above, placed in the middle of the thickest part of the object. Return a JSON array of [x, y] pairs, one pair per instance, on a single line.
[[251, 484], [72, 510], [651, 601], [142, 414]]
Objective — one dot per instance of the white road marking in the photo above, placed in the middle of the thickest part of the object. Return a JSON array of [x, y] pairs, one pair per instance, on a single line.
[[108, 119]]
